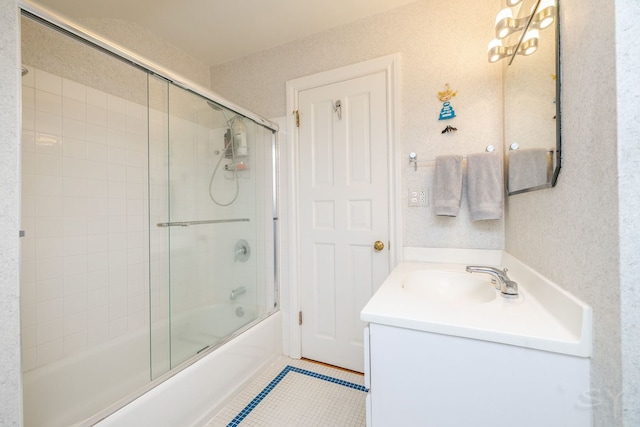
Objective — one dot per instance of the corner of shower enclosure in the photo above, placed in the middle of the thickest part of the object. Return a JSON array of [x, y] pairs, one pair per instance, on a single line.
[[155, 205]]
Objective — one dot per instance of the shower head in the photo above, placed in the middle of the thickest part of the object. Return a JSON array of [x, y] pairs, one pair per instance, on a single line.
[[24, 71], [217, 107], [213, 105]]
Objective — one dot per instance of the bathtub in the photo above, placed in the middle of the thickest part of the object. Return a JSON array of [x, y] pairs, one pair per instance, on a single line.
[[57, 394], [199, 391], [195, 330]]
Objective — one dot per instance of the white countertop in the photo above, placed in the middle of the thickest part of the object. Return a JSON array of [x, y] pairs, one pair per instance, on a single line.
[[544, 317]]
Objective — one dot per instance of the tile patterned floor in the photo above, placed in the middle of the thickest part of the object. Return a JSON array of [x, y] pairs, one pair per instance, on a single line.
[[298, 393]]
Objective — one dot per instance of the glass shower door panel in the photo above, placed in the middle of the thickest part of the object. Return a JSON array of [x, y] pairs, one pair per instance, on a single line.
[[159, 236], [84, 286], [211, 224]]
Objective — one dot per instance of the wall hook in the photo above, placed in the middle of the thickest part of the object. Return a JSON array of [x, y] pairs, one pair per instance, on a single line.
[[413, 158], [337, 107]]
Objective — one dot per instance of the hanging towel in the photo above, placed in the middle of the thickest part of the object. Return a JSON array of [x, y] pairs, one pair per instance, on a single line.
[[485, 187], [528, 168], [447, 187]]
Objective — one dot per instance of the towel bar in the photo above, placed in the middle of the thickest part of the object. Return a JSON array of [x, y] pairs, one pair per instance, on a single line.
[[188, 223], [413, 158]]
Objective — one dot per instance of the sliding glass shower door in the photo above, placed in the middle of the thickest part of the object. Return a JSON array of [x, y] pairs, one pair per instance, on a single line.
[[148, 221], [84, 285], [213, 218]]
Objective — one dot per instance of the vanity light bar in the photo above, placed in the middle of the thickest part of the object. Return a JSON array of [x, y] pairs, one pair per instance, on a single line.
[[506, 25]]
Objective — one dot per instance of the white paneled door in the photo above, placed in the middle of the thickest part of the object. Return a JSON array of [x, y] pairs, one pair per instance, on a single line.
[[343, 214]]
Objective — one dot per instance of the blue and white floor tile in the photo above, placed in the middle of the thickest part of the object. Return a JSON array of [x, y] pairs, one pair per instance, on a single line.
[[298, 393]]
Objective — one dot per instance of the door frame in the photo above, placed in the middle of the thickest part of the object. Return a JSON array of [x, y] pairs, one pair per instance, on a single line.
[[390, 65]]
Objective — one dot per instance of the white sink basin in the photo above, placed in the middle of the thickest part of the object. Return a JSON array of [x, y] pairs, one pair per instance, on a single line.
[[438, 286], [441, 297]]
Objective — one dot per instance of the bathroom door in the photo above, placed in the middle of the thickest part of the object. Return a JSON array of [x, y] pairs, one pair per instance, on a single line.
[[343, 212]]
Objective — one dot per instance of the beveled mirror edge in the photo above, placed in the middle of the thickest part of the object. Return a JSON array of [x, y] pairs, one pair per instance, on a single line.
[[558, 152], [526, 28], [556, 171]]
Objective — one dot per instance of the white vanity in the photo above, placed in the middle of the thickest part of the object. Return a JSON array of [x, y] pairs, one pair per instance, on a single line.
[[444, 348]]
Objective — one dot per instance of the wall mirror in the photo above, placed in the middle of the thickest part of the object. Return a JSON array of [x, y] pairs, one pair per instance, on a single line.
[[532, 105]]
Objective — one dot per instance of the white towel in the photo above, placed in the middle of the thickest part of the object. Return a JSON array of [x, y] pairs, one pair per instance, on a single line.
[[528, 168], [485, 187], [447, 187]]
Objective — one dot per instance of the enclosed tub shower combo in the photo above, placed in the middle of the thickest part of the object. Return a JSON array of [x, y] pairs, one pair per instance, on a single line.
[[149, 230]]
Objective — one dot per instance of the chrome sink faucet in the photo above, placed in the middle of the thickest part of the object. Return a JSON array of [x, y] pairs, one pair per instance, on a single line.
[[507, 287]]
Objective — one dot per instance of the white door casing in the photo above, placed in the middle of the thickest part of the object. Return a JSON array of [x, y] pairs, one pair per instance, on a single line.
[[344, 197]]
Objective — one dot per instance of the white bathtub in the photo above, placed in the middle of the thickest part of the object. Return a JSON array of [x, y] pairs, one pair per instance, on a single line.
[[71, 389], [58, 395], [194, 330], [197, 393]]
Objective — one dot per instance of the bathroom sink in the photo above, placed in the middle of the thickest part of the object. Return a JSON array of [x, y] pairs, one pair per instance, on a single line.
[[438, 286], [442, 298]]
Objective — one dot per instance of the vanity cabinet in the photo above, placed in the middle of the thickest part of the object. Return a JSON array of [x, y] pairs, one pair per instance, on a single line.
[[419, 378]]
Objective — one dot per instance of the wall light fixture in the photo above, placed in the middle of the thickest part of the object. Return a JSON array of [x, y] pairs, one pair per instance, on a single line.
[[520, 35]]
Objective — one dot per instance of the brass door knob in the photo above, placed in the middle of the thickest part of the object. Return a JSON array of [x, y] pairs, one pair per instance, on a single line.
[[378, 246]]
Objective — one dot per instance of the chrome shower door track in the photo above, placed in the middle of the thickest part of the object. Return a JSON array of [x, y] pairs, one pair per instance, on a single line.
[[50, 18]]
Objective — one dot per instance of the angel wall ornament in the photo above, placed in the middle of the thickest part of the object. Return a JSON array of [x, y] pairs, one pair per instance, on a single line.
[[447, 110]]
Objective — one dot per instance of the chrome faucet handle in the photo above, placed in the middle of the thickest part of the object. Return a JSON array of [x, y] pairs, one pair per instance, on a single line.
[[507, 287], [510, 289]]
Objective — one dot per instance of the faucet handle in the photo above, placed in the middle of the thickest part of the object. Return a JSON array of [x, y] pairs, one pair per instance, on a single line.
[[507, 287], [510, 289]]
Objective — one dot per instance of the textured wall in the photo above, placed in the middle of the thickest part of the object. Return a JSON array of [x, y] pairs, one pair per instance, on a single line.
[[433, 52], [130, 36], [558, 232], [145, 43], [570, 233], [63, 56], [10, 380], [627, 72]]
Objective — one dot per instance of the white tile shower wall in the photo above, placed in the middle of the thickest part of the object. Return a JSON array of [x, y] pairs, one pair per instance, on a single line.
[[203, 266], [84, 210], [193, 160]]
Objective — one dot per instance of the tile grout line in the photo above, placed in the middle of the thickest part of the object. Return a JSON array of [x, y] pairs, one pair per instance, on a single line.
[[265, 391], [328, 378]]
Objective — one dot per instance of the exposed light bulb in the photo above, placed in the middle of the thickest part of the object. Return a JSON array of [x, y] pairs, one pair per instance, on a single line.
[[493, 43], [504, 13], [546, 3], [546, 22], [494, 50], [504, 23], [530, 42], [545, 14]]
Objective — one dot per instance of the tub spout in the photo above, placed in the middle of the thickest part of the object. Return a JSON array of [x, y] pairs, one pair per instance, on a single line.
[[237, 292]]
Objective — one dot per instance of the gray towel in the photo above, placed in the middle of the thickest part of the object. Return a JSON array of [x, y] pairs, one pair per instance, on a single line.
[[447, 187], [485, 187], [528, 168]]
